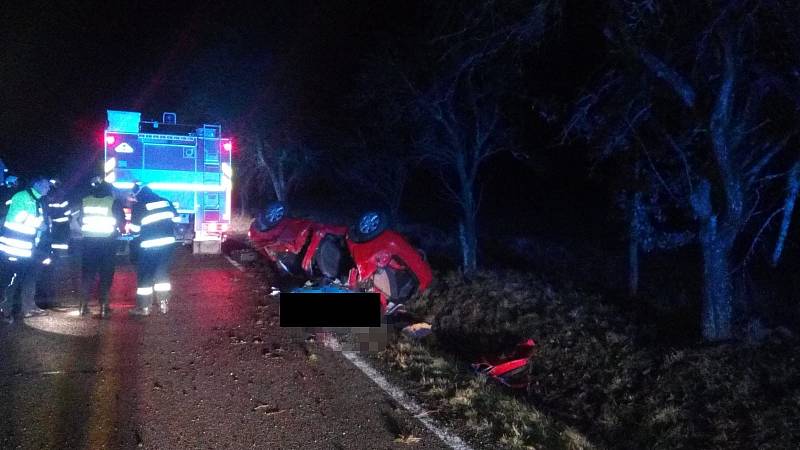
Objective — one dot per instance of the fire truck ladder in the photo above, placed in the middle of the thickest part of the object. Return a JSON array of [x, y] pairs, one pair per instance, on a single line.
[[212, 202]]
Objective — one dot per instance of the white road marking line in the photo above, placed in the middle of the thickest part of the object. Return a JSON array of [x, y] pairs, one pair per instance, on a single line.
[[235, 264], [396, 393], [399, 396]]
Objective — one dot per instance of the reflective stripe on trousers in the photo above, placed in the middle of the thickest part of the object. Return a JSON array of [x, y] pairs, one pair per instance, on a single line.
[[159, 242], [144, 291]]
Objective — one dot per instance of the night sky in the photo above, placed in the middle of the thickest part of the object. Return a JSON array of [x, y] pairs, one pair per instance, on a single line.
[[63, 65]]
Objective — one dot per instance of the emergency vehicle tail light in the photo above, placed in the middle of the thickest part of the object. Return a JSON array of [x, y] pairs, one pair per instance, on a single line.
[[110, 140], [216, 227], [228, 146]]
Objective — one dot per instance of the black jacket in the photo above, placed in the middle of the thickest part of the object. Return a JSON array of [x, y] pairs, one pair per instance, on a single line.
[[154, 215]]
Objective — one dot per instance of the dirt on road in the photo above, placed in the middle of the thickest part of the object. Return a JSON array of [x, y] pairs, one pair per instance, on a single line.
[[215, 372]]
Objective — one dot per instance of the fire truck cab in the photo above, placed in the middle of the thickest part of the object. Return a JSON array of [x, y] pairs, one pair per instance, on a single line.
[[186, 164]]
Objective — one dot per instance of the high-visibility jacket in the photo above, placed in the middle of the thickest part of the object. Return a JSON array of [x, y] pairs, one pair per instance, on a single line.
[[98, 218], [22, 227], [60, 215], [153, 218]]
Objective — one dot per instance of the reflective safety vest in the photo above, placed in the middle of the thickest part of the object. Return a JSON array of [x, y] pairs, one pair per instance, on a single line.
[[154, 221], [21, 230], [98, 219], [59, 214]]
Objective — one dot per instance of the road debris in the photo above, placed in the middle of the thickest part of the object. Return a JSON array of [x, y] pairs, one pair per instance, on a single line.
[[512, 371], [417, 330], [407, 439], [268, 410]]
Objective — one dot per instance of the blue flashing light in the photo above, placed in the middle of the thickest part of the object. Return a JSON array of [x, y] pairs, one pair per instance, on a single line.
[[123, 121]]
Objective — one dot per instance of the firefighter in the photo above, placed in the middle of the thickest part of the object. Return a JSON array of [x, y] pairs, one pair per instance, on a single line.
[[57, 218], [101, 217], [59, 211], [152, 217], [20, 251]]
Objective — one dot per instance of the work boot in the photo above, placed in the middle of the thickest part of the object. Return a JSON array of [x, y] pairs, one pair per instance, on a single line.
[[140, 311], [35, 312], [163, 301], [6, 316], [105, 311]]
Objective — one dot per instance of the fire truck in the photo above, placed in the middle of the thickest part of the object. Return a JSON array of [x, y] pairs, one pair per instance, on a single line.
[[189, 165]]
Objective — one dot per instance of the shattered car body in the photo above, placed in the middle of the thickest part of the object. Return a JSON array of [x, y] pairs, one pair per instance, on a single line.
[[390, 266], [368, 256], [284, 243]]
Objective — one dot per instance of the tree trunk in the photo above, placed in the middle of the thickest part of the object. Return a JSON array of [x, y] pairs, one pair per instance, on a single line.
[[278, 183], [468, 228], [633, 243], [718, 298], [395, 198], [792, 189], [243, 196], [242, 201], [394, 215], [633, 267], [467, 235], [280, 191]]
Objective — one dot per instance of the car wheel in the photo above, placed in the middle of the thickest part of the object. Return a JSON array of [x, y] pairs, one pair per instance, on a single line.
[[271, 216], [369, 226]]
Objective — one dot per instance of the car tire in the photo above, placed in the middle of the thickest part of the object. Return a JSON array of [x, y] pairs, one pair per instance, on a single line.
[[369, 226], [272, 215]]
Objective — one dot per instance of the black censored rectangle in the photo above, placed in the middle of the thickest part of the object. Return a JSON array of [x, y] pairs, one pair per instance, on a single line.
[[357, 309]]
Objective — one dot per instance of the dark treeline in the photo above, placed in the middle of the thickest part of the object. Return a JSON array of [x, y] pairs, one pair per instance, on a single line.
[[686, 123], [664, 128]]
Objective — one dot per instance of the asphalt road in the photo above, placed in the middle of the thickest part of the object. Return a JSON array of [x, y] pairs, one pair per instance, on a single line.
[[215, 372]]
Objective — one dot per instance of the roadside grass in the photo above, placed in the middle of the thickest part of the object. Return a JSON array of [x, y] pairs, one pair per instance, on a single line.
[[472, 404], [595, 379], [600, 376]]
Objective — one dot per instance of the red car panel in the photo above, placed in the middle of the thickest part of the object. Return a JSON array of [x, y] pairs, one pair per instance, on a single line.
[[288, 236], [389, 249], [319, 232]]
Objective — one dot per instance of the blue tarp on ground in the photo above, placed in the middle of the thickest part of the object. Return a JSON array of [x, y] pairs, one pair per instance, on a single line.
[[327, 289]]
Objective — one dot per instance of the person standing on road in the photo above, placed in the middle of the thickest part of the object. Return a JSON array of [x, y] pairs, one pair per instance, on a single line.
[[101, 216], [152, 217], [20, 251], [56, 214]]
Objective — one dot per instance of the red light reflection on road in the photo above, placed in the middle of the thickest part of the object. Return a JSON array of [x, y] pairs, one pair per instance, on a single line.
[[210, 294], [123, 289]]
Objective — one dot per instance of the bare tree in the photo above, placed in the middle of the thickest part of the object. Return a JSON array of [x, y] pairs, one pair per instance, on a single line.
[[286, 160], [259, 105], [462, 102], [696, 99], [378, 154], [379, 171]]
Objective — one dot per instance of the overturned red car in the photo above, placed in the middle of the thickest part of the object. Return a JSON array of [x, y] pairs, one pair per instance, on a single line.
[[367, 257]]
